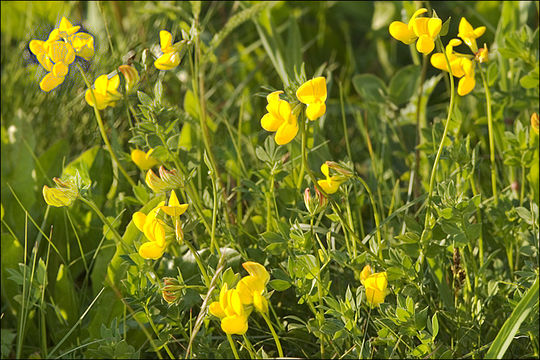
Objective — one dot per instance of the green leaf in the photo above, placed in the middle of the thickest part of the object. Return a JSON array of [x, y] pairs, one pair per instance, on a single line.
[[404, 84], [145, 99], [512, 324], [279, 285], [435, 325], [369, 87]]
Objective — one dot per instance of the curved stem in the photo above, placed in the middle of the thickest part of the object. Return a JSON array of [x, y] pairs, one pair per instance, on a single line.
[[94, 207], [274, 335], [102, 129], [199, 262], [249, 347], [491, 141], [156, 331]]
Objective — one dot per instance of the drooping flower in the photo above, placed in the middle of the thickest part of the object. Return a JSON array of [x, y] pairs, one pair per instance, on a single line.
[[132, 77], [171, 291], [331, 184], [462, 67], [313, 94], [315, 204], [153, 231], [469, 35], [143, 160], [63, 195], [171, 53], [105, 92], [375, 285], [167, 180], [279, 119], [231, 311], [423, 29]]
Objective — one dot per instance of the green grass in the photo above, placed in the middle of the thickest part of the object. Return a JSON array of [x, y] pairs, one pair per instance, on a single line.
[[443, 198]]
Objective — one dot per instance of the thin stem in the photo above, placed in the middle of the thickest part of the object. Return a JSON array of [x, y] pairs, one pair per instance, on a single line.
[[274, 335], [269, 196], [375, 216], [94, 207], [199, 262], [233, 347], [319, 314], [418, 127], [156, 331], [491, 141], [102, 128], [249, 347], [441, 144]]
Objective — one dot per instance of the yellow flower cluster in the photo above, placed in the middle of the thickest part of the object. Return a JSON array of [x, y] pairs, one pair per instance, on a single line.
[[422, 30], [235, 305], [283, 121], [375, 285], [153, 228], [59, 51]]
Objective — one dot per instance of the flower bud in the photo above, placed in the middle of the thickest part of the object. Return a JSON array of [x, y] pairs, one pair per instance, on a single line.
[[316, 204], [482, 54], [171, 177], [172, 290], [63, 195], [534, 122], [132, 77], [155, 183]]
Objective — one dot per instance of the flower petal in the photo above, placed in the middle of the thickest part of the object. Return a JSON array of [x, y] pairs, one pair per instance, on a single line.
[[312, 91], [434, 27], [234, 325], [400, 31], [50, 82], [165, 40], [167, 61], [257, 271], [151, 250], [425, 44], [216, 310], [466, 85], [315, 110], [286, 132], [270, 123]]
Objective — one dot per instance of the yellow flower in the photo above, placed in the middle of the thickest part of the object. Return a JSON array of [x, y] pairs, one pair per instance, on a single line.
[[154, 232], [174, 208], [105, 92], [131, 75], [482, 55], [331, 184], [313, 94], [231, 311], [171, 55], [469, 34], [462, 67], [252, 287], [59, 51], [424, 29], [280, 119], [63, 195], [534, 122], [143, 160], [375, 285]]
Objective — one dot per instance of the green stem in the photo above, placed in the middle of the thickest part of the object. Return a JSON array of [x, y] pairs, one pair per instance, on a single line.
[[94, 207], [233, 347], [269, 196], [375, 216], [419, 124], [319, 314], [491, 141], [441, 144], [249, 347], [102, 128], [274, 335], [199, 262], [156, 331]]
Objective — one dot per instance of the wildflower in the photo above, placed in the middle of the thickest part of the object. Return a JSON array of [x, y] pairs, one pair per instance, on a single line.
[[105, 92], [171, 55], [375, 285], [313, 94], [314, 204], [331, 184], [462, 67], [131, 75], [469, 34], [167, 180], [143, 160], [59, 51], [482, 55], [251, 287], [63, 195], [154, 232], [423, 29], [280, 119], [534, 122], [174, 210], [231, 311], [171, 291]]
